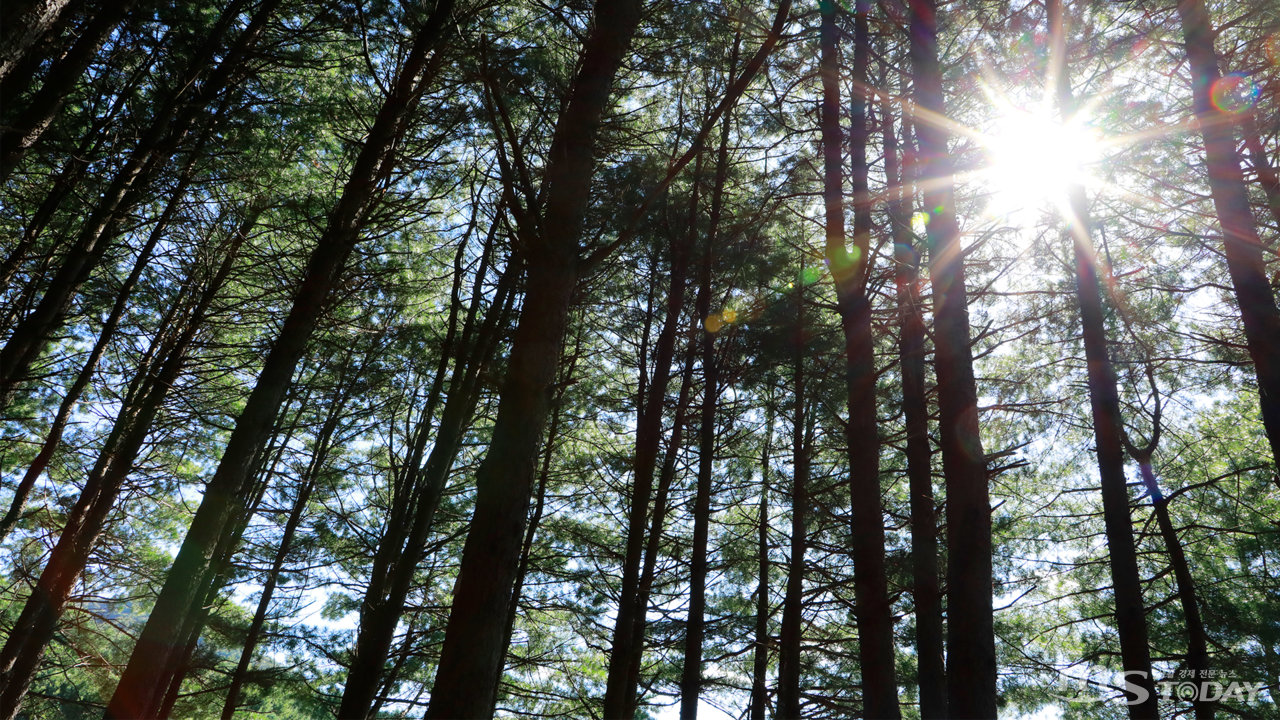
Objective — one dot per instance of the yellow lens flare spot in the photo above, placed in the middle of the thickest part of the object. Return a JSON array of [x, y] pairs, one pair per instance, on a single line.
[[919, 222], [729, 317], [713, 323]]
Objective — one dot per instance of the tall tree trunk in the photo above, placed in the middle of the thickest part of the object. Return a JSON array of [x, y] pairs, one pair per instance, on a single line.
[[306, 487], [1241, 245], [1104, 400], [789, 700], [62, 77], [539, 506], [850, 270], [695, 625], [1261, 164], [1197, 637], [653, 544], [926, 588], [385, 599], [150, 665], [27, 21], [472, 654], [760, 661], [971, 652], [648, 440]]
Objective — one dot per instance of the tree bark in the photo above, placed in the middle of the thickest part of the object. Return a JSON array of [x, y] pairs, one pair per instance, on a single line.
[[150, 665], [971, 653], [850, 270], [1104, 400], [61, 79], [760, 659], [27, 21], [789, 700], [926, 589], [1242, 247], [695, 625], [472, 654]]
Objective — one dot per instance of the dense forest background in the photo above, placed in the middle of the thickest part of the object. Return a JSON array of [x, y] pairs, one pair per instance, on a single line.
[[639, 359]]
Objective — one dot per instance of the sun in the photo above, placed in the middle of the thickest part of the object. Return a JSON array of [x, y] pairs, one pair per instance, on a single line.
[[1032, 158]]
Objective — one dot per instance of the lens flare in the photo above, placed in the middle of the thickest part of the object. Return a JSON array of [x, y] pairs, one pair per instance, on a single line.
[[713, 323], [729, 316], [1234, 93]]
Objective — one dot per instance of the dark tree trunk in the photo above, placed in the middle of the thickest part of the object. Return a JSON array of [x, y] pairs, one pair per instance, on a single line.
[[760, 661], [850, 270], [695, 625], [648, 443], [26, 21], [43, 107], [306, 487], [654, 543], [926, 588], [1261, 164], [793, 599], [971, 652], [1241, 245], [388, 591], [223, 564], [648, 440], [535, 518], [1197, 637], [150, 666], [473, 653], [1104, 400]]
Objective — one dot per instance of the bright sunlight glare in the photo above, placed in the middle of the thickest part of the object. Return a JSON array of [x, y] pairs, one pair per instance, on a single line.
[[1032, 158]]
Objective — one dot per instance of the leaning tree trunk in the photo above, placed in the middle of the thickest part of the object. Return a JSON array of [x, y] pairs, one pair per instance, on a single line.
[[472, 655], [971, 651], [1261, 164], [139, 692], [390, 584], [27, 21], [1244, 251], [539, 507], [318, 460], [1104, 401], [850, 270]]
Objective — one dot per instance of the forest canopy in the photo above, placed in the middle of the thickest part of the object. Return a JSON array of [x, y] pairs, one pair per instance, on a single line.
[[639, 359]]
